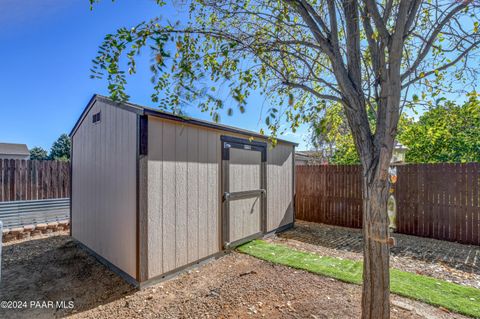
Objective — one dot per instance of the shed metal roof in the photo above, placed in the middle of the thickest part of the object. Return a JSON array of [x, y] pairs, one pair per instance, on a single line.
[[14, 149], [143, 110]]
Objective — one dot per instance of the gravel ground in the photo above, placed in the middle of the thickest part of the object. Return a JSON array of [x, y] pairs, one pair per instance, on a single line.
[[234, 286], [53, 268], [440, 259], [240, 286]]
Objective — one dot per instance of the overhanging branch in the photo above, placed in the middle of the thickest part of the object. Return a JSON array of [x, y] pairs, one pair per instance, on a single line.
[[443, 67], [312, 91], [428, 45]]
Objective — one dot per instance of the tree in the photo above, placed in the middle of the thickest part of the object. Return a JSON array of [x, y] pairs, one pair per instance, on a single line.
[[38, 153], [304, 54], [331, 136], [445, 133], [430, 139], [61, 148]]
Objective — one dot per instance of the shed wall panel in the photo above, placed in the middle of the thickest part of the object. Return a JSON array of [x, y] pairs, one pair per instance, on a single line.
[[203, 193], [214, 192], [280, 188], [104, 185], [192, 194], [168, 141], [184, 193], [189, 158], [155, 203], [181, 231]]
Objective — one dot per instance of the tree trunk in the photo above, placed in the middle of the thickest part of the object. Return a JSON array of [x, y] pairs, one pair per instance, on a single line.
[[376, 279]]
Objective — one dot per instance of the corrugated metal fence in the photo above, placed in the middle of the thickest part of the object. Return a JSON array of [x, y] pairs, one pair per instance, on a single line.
[[433, 200], [33, 180], [22, 213], [34, 192]]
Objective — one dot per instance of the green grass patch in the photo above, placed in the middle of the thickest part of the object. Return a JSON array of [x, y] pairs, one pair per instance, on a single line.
[[457, 298]]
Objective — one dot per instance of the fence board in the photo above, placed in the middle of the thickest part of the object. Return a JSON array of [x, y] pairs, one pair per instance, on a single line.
[[33, 180], [433, 200]]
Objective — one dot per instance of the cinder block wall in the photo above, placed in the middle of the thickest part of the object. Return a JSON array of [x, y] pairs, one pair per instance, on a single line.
[[25, 232]]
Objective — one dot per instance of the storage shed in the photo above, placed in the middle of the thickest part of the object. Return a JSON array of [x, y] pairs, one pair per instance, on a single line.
[[154, 193]]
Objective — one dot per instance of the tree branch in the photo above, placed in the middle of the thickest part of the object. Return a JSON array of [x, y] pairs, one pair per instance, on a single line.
[[312, 91], [443, 67], [423, 53], [316, 17], [312, 25], [350, 8], [372, 9], [412, 15]]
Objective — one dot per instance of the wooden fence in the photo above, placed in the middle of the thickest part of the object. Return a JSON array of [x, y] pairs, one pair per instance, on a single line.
[[32, 180], [433, 200]]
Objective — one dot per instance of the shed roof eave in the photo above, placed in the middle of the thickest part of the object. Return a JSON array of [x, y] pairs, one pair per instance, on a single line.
[[142, 110]]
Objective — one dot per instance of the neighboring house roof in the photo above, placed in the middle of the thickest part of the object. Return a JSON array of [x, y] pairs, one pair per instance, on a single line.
[[307, 153], [301, 156], [142, 110], [308, 156], [14, 149]]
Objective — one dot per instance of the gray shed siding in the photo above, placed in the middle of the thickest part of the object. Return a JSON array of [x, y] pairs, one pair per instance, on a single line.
[[153, 213], [183, 204], [280, 186], [104, 185], [183, 190]]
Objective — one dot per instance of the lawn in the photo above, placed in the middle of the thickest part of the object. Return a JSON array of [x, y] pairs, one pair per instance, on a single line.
[[457, 298]]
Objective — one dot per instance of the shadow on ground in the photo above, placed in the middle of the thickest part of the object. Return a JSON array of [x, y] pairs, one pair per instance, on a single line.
[[55, 269], [462, 257], [235, 286]]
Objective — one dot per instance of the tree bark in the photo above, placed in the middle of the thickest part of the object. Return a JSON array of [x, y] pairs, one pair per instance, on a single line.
[[376, 251]]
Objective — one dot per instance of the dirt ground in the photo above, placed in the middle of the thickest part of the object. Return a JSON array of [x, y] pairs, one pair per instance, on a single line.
[[234, 286], [54, 268]]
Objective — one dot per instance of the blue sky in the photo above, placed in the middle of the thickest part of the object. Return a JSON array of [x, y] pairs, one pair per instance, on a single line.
[[47, 48]]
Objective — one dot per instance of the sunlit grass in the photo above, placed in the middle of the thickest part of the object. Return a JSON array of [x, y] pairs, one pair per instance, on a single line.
[[457, 298]]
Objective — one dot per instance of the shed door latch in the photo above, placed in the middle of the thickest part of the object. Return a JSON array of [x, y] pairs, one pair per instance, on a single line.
[[244, 194], [226, 196]]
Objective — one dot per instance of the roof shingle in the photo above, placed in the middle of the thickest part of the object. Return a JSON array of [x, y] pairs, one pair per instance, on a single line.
[[13, 149]]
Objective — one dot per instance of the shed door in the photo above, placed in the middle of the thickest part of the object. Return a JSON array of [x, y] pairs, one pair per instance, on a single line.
[[244, 191]]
